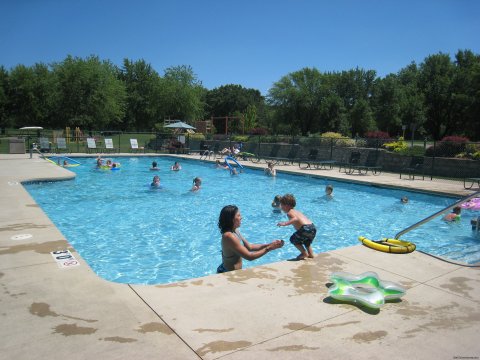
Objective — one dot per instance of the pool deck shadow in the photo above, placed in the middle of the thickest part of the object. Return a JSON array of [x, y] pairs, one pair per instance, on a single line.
[[275, 311]]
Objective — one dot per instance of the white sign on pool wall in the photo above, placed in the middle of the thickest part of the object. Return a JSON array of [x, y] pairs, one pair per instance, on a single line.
[[65, 259]]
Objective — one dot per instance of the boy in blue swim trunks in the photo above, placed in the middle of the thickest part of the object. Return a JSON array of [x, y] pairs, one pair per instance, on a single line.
[[306, 231]]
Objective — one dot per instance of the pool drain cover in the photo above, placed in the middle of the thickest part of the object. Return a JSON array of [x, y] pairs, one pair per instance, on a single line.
[[21, 236]]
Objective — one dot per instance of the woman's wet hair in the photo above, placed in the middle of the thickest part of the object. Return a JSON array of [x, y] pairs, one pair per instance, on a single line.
[[225, 220]]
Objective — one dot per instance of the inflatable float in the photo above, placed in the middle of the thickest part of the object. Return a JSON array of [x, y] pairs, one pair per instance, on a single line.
[[389, 245], [366, 289], [473, 204]]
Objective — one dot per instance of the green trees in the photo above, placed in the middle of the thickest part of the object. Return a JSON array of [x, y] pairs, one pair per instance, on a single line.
[[31, 95], [297, 97], [88, 94], [143, 95], [437, 98], [5, 121], [182, 93], [314, 102]]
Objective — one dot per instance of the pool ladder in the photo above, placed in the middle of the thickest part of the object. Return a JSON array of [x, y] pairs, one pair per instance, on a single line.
[[427, 219]]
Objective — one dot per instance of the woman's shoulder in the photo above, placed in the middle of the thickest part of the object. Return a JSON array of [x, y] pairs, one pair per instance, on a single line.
[[230, 235]]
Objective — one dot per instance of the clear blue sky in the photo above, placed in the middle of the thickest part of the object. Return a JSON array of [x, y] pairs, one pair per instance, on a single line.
[[249, 42]]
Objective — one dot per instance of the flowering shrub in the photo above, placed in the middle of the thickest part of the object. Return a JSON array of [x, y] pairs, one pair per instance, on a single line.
[[449, 146], [376, 138], [377, 135]]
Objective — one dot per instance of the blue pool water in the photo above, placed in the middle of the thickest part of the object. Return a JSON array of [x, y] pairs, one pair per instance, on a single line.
[[129, 233]]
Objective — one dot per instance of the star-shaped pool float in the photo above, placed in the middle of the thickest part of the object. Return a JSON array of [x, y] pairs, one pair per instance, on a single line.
[[366, 289]]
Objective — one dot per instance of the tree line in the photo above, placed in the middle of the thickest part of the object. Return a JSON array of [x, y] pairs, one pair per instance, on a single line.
[[439, 97]]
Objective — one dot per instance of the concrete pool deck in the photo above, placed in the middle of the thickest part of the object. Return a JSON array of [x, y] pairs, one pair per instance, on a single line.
[[276, 311]]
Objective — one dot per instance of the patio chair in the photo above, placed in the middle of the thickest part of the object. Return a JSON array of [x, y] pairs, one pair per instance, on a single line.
[[354, 160], [134, 146], [91, 145], [271, 157], [416, 167], [61, 145], [44, 144], [109, 145], [313, 160], [291, 156], [469, 182], [248, 151], [370, 164]]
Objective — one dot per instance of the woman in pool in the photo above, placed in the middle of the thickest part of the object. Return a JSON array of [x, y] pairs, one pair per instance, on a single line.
[[270, 169], [234, 246]]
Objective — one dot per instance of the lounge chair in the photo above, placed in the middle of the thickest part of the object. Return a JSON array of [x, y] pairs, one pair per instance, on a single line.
[[91, 145], [469, 182], [416, 167], [291, 156], [354, 160], [61, 145], [134, 146], [44, 144], [370, 164], [271, 157], [248, 151], [109, 145], [314, 161]]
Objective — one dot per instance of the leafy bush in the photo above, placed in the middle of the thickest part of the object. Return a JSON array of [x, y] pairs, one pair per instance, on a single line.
[[449, 146], [197, 136], [339, 139], [332, 135], [399, 146], [358, 143], [476, 155], [240, 138], [415, 150], [258, 131]]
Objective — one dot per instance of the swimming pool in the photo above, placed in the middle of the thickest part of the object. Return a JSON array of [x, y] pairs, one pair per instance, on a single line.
[[129, 233]]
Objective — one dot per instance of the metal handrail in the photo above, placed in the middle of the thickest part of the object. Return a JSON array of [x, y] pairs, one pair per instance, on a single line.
[[427, 219]]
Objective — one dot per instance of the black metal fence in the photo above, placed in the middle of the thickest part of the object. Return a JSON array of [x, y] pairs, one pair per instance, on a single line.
[[441, 159]]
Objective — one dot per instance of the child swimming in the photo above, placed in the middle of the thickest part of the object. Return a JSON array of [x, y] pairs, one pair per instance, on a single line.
[[276, 204], [454, 215], [197, 183], [176, 166], [329, 191], [156, 182]]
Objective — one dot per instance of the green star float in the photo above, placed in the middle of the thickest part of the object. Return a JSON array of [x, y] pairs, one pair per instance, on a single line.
[[366, 289]]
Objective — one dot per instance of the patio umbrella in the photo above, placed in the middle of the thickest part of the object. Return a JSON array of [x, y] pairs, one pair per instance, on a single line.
[[180, 125]]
